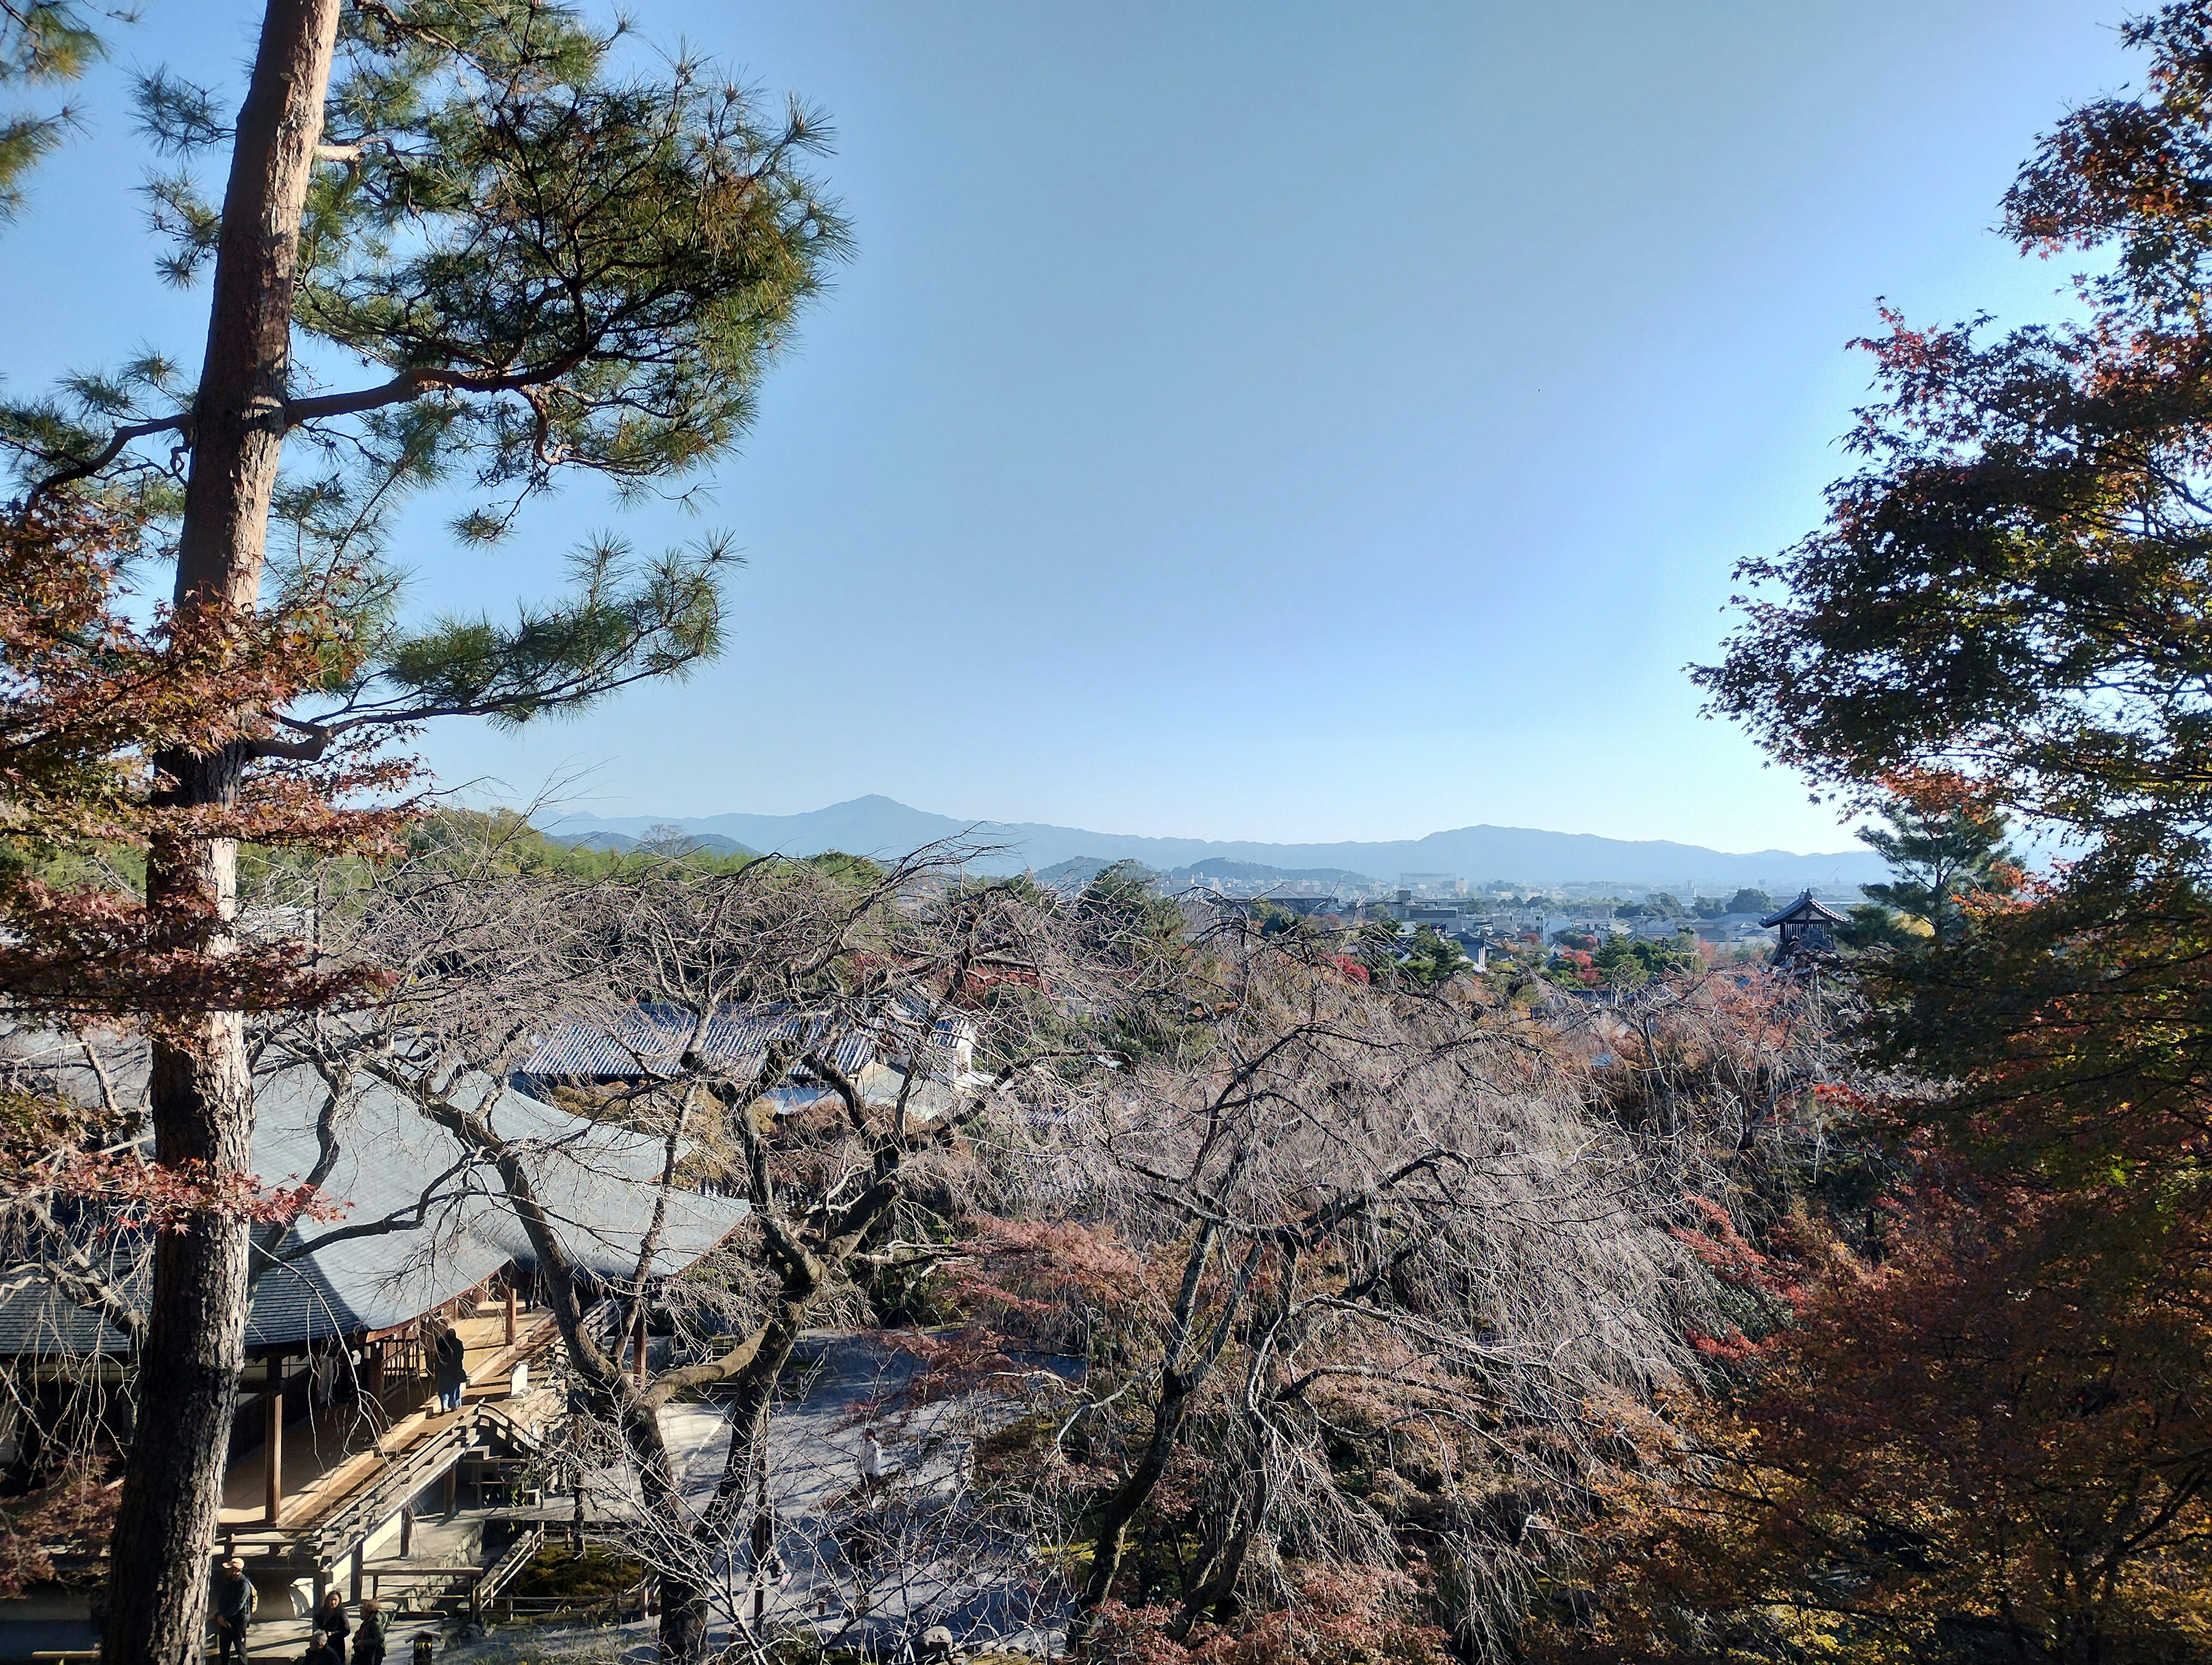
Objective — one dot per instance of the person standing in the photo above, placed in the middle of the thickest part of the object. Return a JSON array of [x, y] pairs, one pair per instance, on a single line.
[[230, 1604], [330, 1620], [369, 1644], [452, 1369]]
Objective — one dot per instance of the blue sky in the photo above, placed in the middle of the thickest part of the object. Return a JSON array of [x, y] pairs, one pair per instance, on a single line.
[[1265, 420]]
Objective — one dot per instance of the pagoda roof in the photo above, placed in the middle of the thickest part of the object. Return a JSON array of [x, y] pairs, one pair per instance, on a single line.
[[1803, 911]]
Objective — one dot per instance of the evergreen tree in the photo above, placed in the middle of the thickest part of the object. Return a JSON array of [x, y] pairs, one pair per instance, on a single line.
[[43, 43], [1942, 855], [544, 264]]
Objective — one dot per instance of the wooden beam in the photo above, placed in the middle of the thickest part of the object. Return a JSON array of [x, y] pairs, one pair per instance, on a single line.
[[510, 1310], [272, 1444]]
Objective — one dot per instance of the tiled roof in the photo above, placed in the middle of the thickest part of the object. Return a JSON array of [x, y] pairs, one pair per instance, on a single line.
[[647, 1042], [1803, 910], [598, 1183]]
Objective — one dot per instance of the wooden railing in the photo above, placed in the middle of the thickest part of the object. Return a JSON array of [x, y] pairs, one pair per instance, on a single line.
[[414, 1469], [465, 1586]]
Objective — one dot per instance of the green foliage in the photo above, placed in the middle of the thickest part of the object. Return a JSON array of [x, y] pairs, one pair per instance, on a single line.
[[592, 1578], [1125, 911], [1871, 925], [546, 262], [1748, 901], [42, 43], [854, 870], [1426, 958], [1942, 857], [1432, 958], [654, 620], [1629, 961]]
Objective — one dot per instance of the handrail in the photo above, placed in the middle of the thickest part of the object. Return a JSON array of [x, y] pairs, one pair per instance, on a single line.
[[390, 1489], [519, 1553]]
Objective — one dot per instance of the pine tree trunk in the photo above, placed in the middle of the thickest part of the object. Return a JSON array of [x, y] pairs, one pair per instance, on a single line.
[[200, 1090]]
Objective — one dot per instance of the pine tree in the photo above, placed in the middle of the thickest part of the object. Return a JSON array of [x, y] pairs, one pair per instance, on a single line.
[[1942, 855], [545, 264], [43, 43]]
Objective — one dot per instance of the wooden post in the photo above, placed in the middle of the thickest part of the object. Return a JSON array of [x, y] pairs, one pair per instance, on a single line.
[[406, 1532], [640, 1344], [272, 1444], [510, 1311], [453, 1488], [358, 1557], [476, 1600]]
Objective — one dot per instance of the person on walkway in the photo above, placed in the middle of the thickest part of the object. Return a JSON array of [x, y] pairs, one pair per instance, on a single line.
[[230, 1603], [330, 1620], [369, 1643], [453, 1368], [321, 1651]]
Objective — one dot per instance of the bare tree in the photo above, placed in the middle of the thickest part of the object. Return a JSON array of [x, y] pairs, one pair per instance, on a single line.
[[1364, 1219], [860, 996], [1263, 1266], [1357, 1220]]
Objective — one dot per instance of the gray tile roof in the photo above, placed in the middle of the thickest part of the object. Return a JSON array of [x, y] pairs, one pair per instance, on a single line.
[[647, 1041], [596, 1182]]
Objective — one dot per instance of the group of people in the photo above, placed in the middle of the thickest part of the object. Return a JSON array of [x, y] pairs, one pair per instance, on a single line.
[[327, 1644], [231, 1603]]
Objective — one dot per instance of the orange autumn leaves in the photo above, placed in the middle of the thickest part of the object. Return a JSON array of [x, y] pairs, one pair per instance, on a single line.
[[92, 700]]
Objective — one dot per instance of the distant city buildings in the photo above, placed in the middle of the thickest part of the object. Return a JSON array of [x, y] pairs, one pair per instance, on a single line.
[[1490, 915]]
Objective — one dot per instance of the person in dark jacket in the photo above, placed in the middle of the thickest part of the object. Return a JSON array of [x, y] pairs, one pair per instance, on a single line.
[[230, 1604], [321, 1651], [368, 1642], [330, 1620], [452, 1355]]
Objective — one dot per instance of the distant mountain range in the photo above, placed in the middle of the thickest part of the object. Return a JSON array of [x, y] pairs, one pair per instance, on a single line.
[[882, 826], [603, 839]]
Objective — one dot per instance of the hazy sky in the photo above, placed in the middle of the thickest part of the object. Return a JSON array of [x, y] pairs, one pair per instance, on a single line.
[[1270, 421]]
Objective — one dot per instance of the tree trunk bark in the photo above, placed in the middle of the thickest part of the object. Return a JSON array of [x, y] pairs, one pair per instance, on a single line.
[[1212, 1585], [1111, 1539], [201, 1090]]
